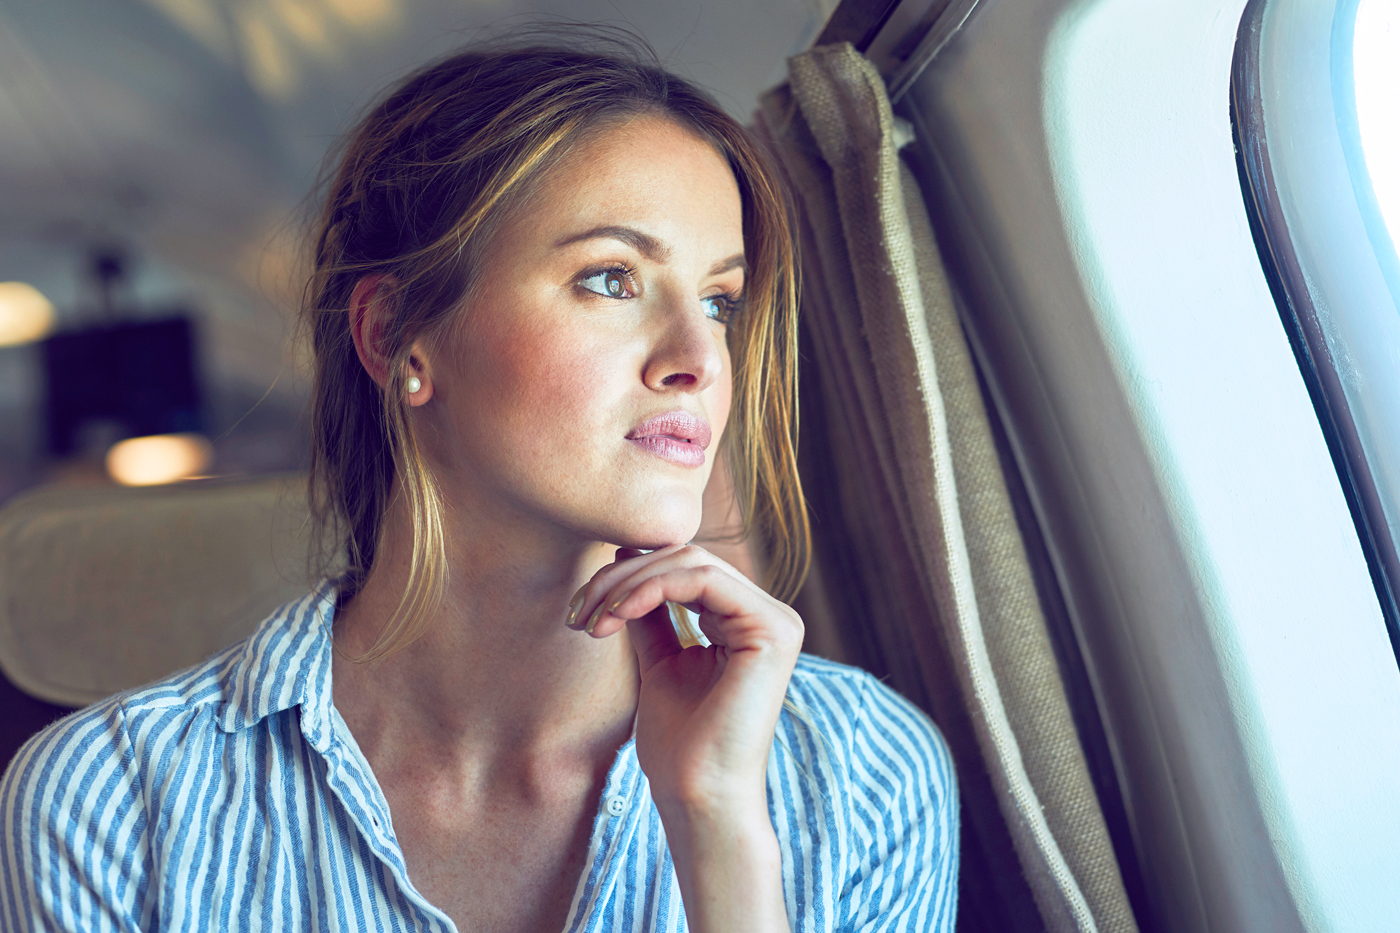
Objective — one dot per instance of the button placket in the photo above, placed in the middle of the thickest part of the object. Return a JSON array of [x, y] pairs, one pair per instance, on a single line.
[[612, 833]]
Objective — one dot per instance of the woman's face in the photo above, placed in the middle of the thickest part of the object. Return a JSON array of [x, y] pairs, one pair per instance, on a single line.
[[588, 381]]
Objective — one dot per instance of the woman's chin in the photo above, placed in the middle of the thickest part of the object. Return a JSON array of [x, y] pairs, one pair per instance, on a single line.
[[640, 518], [653, 541], [652, 536]]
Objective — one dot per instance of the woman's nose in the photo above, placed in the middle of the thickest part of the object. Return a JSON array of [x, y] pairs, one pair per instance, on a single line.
[[687, 353]]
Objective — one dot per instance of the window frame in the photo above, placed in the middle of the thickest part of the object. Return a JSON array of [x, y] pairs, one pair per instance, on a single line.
[[1286, 267]]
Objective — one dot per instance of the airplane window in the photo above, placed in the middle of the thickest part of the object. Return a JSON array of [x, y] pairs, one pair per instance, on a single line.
[[1176, 453], [1376, 76], [1313, 92]]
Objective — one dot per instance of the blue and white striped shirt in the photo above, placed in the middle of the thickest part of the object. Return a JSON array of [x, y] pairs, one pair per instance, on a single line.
[[226, 798]]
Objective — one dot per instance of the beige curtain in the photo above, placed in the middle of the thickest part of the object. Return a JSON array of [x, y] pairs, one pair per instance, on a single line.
[[920, 571]]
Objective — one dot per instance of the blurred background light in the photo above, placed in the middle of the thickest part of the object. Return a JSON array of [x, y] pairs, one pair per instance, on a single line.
[[365, 14], [1376, 71], [25, 314], [160, 458]]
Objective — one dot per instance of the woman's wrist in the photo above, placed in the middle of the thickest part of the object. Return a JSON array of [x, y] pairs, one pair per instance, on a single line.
[[707, 816], [729, 866]]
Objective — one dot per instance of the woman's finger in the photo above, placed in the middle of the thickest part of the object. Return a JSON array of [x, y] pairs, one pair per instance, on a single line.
[[734, 615], [597, 615], [709, 626], [599, 611], [586, 600], [674, 559], [601, 591], [653, 637]]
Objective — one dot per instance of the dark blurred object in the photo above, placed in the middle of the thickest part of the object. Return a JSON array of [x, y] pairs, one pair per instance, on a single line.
[[131, 378], [21, 715], [856, 22], [109, 269]]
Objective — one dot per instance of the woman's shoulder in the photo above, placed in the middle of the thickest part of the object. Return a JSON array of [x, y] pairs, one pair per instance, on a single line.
[[863, 722], [141, 731], [77, 796], [864, 769], [101, 735]]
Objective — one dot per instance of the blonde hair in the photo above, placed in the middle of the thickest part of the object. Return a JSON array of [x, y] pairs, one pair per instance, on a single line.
[[414, 196]]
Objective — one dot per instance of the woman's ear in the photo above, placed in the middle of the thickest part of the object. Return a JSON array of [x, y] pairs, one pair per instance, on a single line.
[[418, 384], [371, 309], [370, 312]]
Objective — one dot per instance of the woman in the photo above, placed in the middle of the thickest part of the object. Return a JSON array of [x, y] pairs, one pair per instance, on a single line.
[[551, 289]]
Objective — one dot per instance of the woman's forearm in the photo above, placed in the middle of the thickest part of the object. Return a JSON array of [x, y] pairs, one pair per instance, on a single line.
[[730, 870]]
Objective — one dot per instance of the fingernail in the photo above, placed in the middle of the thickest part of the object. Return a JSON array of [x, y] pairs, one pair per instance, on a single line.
[[575, 605], [593, 620]]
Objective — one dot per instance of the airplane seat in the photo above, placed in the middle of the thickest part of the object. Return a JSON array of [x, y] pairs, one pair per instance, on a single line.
[[105, 589]]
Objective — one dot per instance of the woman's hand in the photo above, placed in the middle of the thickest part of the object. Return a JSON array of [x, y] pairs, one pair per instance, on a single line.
[[705, 720], [706, 716]]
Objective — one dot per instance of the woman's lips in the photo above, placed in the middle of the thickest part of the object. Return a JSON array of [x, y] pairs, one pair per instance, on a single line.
[[677, 436], [677, 451]]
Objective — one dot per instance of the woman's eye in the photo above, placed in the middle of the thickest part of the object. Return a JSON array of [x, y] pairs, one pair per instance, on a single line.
[[612, 283], [719, 307]]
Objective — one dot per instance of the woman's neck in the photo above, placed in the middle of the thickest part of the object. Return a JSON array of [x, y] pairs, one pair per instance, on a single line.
[[495, 683]]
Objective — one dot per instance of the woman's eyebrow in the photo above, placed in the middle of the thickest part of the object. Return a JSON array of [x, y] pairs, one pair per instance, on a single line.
[[736, 261], [646, 244]]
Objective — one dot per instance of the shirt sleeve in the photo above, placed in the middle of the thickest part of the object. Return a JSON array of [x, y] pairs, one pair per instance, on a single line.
[[73, 829], [904, 820]]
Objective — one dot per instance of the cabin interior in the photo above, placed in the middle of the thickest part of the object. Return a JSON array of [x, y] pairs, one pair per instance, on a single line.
[[1100, 384]]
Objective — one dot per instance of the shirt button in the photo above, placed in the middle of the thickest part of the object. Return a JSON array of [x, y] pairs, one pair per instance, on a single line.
[[617, 805]]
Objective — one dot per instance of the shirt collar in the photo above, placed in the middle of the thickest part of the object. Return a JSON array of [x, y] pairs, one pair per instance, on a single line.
[[286, 662]]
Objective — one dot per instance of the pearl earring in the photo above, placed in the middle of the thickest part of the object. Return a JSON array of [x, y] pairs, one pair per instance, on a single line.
[[414, 384]]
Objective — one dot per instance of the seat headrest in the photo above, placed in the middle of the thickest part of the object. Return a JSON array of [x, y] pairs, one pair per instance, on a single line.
[[106, 589]]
